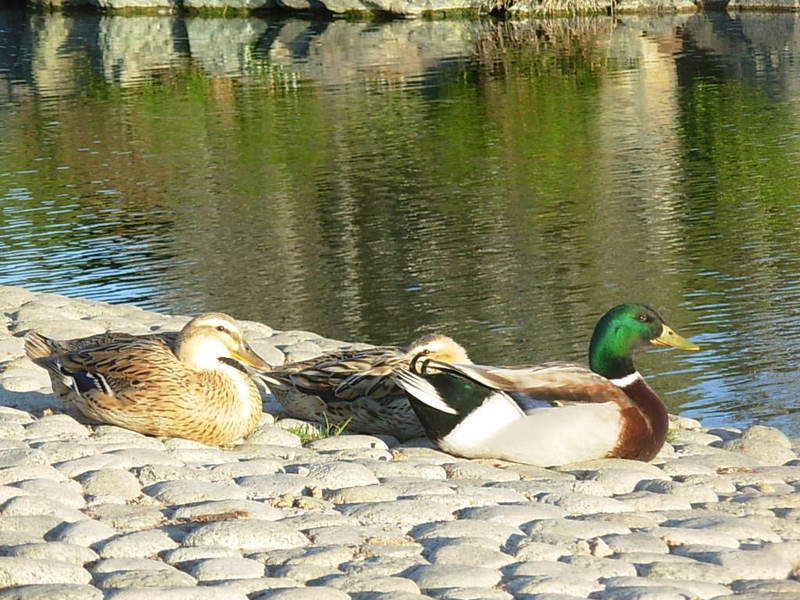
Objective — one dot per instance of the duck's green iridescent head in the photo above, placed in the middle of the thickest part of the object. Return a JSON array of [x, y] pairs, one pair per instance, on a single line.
[[623, 329]]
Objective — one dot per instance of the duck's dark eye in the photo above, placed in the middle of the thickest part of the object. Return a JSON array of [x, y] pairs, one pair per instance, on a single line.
[[642, 317], [221, 329]]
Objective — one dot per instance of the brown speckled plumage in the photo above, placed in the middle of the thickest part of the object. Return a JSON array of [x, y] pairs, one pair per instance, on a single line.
[[357, 387], [191, 386]]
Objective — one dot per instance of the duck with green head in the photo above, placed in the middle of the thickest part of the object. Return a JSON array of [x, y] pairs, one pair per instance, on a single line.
[[553, 413]]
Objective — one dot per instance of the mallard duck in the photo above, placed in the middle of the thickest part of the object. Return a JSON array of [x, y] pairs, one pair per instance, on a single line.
[[550, 414], [193, 386], [356, 388]]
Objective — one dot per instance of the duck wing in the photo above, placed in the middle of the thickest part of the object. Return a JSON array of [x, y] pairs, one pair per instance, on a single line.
[[121, 371], [40, 346], [343, 375], [533, 386]]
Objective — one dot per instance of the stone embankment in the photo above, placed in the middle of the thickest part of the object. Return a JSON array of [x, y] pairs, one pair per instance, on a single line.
[[410, 8], [383, 7], [95, 511]]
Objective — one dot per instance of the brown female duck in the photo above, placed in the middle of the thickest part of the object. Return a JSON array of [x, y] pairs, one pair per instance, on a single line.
[[192, 386]]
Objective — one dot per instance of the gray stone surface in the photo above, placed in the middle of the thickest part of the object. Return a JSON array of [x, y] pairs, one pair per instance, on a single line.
[[100, 512], [51, 592], [246, 534]]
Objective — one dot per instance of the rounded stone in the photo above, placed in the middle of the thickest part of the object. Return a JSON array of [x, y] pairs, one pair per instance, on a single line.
[[191, 555], [645, 501], [227, 509], [23, 571], [635, 542], [115, 483], [169, 577], [766, 444], [742, 529], [57, 551], [581, 504], [690, 589], [15, 474], [385, 469], [347, 442], [244, 468], [691, 493], [360, 493], [227, 568], [530, 551], [475, 470], [499, 533], [467, 553], [187, 492], [51, 592], [337, 475], [302, 593], [176, 593], [600, 566], [514, 515], [575, 528], [16, 457], [67, 493], [82, 533], [136, 544], [272, 435], [367, 583], [39, 505], [299, 573], [127, 517], [472, 593], [112, 565], [56, 426], [557, 588], [692, 571], [246, 534], [77, 466], [35, 526], [271, 486], [445, 576]]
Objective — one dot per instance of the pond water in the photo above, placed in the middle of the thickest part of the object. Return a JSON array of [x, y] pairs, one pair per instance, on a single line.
[[505, 182]]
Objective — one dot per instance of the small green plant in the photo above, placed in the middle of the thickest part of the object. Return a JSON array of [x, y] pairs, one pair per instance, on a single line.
[[311, 432], [333, 430]]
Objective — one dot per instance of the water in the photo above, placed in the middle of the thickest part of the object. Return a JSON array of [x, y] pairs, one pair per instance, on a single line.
[[503, 182]]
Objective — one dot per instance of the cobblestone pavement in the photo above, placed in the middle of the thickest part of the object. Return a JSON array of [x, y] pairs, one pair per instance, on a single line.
[[95, 511]]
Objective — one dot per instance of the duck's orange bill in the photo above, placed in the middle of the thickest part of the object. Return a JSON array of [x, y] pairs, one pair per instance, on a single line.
[[669, 338], [245, 354]]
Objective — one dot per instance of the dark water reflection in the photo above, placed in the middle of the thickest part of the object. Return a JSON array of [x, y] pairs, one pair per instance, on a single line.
[[504, 182]]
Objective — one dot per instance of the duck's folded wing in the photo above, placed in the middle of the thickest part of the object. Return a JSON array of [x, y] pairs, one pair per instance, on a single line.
[[552, 382], [39, 346], [127, 361], [344, 375]]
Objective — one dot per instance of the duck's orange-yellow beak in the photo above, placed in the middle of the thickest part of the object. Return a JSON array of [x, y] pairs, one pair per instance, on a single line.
[[669, 338], [247, 355]]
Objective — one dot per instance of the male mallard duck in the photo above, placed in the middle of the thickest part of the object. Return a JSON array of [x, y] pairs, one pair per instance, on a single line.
[[356, 387], [554, 413], [193, 387]]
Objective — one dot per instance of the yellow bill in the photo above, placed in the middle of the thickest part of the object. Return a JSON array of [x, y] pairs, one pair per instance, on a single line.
[[669, 338]]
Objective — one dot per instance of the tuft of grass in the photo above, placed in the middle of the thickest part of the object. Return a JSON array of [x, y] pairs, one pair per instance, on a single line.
[[313, 432]]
